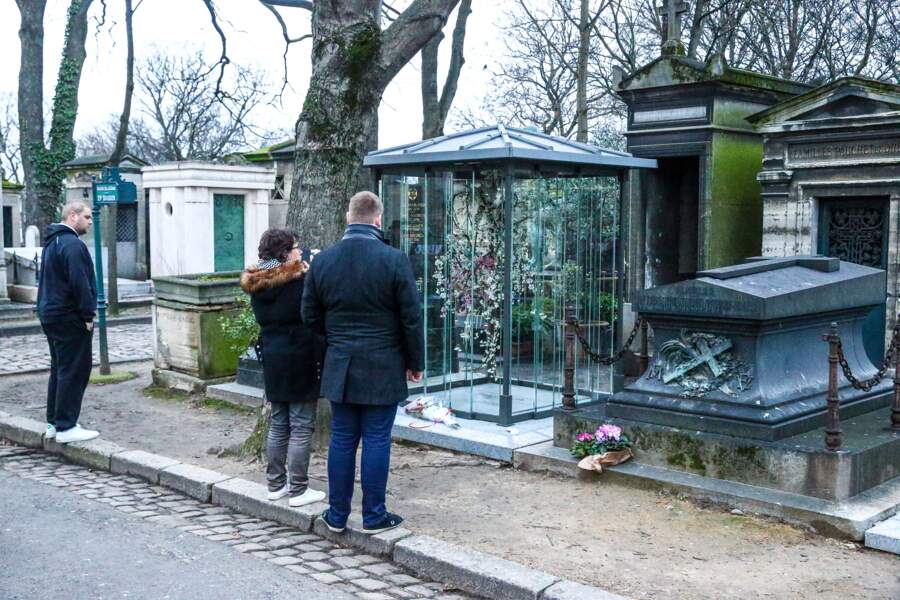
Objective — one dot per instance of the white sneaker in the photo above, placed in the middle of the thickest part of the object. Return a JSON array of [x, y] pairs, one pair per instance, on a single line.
[[279, 494], [310, 496], [51, 432], [76, 434]]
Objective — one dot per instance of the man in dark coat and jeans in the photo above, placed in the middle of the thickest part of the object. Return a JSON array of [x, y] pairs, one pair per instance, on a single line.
[[67, 300], [362, 295]]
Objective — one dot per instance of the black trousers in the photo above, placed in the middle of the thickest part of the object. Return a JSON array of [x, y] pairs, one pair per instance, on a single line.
[[70, 370]]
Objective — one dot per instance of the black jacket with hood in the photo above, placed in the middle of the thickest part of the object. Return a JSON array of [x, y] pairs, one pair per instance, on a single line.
[[291, 352], [66, 288]]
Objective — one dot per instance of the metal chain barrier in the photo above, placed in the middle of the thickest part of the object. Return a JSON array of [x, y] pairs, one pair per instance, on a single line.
[[573, 332], [833, 431], [596, 356], [867, 384]]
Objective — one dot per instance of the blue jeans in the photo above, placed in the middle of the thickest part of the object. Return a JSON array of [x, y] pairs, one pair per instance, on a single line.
[[349, 424]]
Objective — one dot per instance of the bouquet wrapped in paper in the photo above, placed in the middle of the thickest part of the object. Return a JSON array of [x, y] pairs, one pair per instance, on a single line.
[[429, 409], [605, 447]]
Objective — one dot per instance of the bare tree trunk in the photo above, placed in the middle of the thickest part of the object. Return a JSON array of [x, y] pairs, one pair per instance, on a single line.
[[44, 173], [435, 109], [584, 48], [353, 62], [115, 158], [31, 102]]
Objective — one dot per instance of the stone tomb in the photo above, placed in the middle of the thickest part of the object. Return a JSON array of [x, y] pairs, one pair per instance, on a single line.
[[739, 350], [737, 389]]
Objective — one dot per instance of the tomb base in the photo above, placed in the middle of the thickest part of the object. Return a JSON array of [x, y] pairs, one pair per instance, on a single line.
[[799, 464]]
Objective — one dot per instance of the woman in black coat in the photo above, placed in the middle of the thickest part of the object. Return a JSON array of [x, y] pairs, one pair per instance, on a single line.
[[291, 354]]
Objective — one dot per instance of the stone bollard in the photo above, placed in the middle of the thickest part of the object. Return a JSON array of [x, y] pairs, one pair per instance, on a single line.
[[322, 435]]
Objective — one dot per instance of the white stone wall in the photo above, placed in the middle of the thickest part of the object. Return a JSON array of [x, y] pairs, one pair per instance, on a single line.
[[181, 212]]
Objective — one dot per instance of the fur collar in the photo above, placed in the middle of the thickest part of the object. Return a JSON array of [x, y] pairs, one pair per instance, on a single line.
[[255, 280]]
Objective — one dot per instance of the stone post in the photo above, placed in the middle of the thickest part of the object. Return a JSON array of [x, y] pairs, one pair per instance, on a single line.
[[833, 432]]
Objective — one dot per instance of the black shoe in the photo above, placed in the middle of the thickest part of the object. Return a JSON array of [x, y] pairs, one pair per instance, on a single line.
[[333, 528], [389, 521]]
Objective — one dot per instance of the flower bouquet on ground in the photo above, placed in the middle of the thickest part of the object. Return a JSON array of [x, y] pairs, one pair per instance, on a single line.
[[605, 447]]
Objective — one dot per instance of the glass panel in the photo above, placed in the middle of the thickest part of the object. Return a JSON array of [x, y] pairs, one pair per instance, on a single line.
[[451, 225]]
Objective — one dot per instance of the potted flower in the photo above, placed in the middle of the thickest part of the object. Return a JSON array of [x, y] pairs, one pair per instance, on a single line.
[[608, 445]]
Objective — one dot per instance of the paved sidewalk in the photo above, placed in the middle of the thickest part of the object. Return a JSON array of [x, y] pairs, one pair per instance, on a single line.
[[24, 353], [347, 570]]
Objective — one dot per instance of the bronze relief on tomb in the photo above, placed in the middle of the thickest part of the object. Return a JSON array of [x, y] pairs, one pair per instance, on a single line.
[[701, 363]]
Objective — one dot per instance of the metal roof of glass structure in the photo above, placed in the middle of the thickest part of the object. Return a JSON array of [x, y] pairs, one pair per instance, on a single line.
[[499, 144]]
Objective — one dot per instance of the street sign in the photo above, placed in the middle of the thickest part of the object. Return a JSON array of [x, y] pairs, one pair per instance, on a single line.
[[106, 193]]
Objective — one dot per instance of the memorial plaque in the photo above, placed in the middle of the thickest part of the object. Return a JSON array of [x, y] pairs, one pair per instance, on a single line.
[[847, 152]]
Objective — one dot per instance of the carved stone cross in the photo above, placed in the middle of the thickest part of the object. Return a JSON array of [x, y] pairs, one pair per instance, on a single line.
[[671, 13]]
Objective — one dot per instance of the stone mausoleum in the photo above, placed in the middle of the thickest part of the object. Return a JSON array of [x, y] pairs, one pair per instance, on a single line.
[[132, 248], [701, 207], [206, 217], [831, 182]]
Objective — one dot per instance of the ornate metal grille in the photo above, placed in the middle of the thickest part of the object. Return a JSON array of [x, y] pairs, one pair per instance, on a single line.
[[126, 223], [856, 234]]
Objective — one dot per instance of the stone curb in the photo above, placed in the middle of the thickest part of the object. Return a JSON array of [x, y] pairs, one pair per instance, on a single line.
[[569, 590], [381, 544], [141, 464], [23, 431], [472, 571], [96, 453], [196, 482], [251, 498]]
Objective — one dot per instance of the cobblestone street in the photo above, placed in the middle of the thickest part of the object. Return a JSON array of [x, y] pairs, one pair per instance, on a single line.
[[348, 570], [24, 353]]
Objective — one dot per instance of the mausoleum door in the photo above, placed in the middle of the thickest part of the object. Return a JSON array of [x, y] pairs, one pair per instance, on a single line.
[[856, 230], [228, 232], [672, 218], [7, 227]]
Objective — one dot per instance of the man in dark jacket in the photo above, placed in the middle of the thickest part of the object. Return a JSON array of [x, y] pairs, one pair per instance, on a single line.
[[67, 300], [362, 295]]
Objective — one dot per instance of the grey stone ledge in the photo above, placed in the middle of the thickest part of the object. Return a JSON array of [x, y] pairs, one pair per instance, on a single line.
[[251, 499], [471, 571], [381, 544], [141, 464], [196, 482], [885, 536], [96, 453], [23, 431], [570, 590]]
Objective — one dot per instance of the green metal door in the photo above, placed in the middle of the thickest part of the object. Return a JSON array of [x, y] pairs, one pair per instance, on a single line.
[[228, 227]]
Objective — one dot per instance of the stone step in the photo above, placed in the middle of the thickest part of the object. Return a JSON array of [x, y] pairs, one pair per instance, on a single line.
[[885, 536], [16, 311], [236, 393]]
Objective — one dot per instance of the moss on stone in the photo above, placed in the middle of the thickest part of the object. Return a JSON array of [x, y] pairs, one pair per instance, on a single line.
[[735, 199], [686, 453], [114, 377]]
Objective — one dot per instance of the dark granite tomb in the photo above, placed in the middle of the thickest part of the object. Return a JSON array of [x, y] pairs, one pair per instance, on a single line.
[[739, 350]]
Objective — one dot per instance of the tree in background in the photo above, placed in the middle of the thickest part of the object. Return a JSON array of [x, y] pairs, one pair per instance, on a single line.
[[183, 116], [10, 154], [353, 61], [808, 40], [42, 159], [435, 108]]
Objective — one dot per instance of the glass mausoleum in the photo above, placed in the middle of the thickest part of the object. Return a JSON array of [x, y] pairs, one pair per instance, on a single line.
[[508, 231]]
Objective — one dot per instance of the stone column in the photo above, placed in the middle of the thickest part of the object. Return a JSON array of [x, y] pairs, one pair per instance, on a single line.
[[3, 297]]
